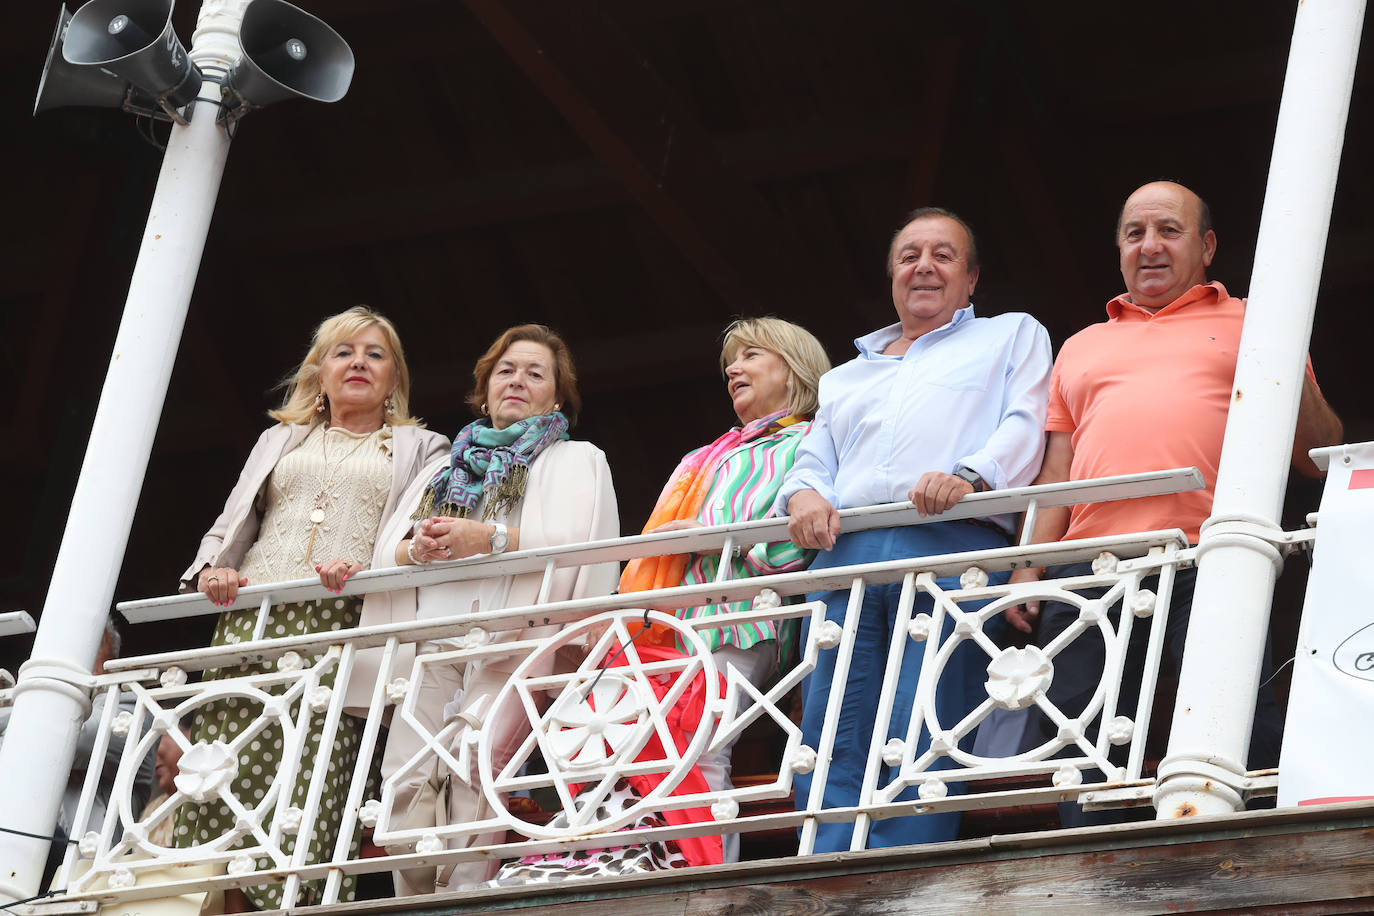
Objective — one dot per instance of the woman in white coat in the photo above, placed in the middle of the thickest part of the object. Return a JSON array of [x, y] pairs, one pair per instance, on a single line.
[[514, 481], [311, 500]]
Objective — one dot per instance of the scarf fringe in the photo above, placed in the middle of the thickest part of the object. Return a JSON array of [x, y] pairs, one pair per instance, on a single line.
[[426, 507], [498, 502], [503, 468], [508, 494]]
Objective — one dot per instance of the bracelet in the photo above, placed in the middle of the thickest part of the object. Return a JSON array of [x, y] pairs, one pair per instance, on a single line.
[[410, 552]]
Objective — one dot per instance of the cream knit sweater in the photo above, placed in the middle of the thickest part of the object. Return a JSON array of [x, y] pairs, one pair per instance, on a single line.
[[356, 478]]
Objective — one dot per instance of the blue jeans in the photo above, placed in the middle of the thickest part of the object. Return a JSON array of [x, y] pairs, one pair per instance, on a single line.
[[959, 691]]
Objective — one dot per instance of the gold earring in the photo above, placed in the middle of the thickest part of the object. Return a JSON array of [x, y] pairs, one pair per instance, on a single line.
[[319, 402], [483, 409], [558, 406], [389, 405]]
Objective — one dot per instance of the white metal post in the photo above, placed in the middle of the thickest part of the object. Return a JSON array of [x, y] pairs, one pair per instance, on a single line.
[[1238, 560], [51, 699]]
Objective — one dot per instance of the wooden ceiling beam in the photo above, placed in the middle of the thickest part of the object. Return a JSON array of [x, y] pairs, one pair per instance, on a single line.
[[368, 216], [607, 92], [1040, 220], [939, 86]]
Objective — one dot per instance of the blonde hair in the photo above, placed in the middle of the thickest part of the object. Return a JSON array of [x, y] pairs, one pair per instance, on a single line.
[[798, 347], [303, 385]]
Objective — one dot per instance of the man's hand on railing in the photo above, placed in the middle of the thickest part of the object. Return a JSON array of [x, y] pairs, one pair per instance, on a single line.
[[935, 492], [1023, 616], [812, 524], [220, 584]]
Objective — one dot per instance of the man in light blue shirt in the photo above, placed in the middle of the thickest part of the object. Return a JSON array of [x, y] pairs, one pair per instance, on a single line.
[[937, 406]]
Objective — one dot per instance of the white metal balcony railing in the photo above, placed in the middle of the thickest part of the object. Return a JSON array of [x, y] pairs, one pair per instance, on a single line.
[[117, 860], [14, 623]]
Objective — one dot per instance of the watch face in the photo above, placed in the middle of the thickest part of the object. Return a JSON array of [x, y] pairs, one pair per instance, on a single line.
[[499, 541]]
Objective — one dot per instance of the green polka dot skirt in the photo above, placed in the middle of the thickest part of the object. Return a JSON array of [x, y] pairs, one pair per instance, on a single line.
[[258, 764]]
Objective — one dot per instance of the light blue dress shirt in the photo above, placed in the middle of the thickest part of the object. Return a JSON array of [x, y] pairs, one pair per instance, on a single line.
[[971, 393]]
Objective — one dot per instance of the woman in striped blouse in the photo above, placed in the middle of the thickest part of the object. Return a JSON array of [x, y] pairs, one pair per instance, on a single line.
[[772, 370]]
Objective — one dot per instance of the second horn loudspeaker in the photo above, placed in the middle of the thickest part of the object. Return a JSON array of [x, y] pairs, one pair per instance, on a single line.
[[288, 54], [134, 40]]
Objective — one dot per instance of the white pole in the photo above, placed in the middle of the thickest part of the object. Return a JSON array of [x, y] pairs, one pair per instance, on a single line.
[[50, 703], [1238, 562]]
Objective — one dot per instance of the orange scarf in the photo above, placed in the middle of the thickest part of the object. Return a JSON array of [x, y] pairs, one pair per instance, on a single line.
[[682, 498]]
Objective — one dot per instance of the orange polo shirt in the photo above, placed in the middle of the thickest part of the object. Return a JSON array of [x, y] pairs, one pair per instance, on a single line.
[[1147, 392]]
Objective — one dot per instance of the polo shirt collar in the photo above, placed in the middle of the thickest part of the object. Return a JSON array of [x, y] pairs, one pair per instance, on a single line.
[[871, 346], [1123, 309]]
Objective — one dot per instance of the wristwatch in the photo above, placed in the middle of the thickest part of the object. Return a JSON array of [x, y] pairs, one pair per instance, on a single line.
[[975, 481], [500, 540]]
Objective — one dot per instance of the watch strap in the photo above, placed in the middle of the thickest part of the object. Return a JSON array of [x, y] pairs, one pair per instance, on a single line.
[[974, 479], [500, 538]]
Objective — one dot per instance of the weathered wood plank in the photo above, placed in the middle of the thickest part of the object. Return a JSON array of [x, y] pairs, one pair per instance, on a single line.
[[1282, 861]]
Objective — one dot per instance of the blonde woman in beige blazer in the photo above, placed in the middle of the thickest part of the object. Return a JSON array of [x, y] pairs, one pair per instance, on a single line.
[[514, 481], [413, 448], [311, 500]]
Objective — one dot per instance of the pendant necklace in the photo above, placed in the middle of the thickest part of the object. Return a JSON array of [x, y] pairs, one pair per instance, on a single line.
[[323, 498]]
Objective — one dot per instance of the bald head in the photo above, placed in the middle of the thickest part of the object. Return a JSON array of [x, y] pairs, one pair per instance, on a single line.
[[1165, 238], [1204, 212]]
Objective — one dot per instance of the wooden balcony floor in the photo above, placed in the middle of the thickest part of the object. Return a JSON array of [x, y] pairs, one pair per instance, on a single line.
[[1308, 860]]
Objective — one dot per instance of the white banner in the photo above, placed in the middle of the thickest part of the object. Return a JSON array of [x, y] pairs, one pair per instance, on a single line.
[[1328, 741]]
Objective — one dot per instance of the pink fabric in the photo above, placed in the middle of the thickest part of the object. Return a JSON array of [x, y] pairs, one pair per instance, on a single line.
[[683, 720], [681, 499]]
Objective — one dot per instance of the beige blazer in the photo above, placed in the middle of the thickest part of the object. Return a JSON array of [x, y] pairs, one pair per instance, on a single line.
[[570, 498], [229, 538]]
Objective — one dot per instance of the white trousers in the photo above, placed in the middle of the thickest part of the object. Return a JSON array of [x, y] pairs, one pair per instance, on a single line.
[[756, 664], [466, 801]]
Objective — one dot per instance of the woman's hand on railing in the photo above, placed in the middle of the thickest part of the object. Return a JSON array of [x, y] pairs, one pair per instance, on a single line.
[[1023, 616], [677, 524], [420, 550], [220, 584], [334, 573], [462, 537]]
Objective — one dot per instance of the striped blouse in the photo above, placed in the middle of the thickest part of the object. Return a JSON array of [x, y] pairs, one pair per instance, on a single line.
[[743, 489]]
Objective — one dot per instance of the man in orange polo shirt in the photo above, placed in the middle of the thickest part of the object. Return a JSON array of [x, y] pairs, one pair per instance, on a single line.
[[1148, 389]]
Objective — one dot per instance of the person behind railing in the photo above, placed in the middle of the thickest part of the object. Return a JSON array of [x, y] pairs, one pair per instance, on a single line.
[[937, 406], [110, 646], [168, 758], [514, 481], [772, 369], [1147, 389], [309, 502]]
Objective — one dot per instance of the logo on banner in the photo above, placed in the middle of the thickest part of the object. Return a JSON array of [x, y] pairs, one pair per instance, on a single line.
[[1355, 656]]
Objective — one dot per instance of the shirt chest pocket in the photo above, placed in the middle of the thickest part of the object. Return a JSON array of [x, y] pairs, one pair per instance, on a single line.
[[964, 375]]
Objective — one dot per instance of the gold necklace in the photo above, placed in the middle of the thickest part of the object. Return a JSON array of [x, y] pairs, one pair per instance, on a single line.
[[323, 498]]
